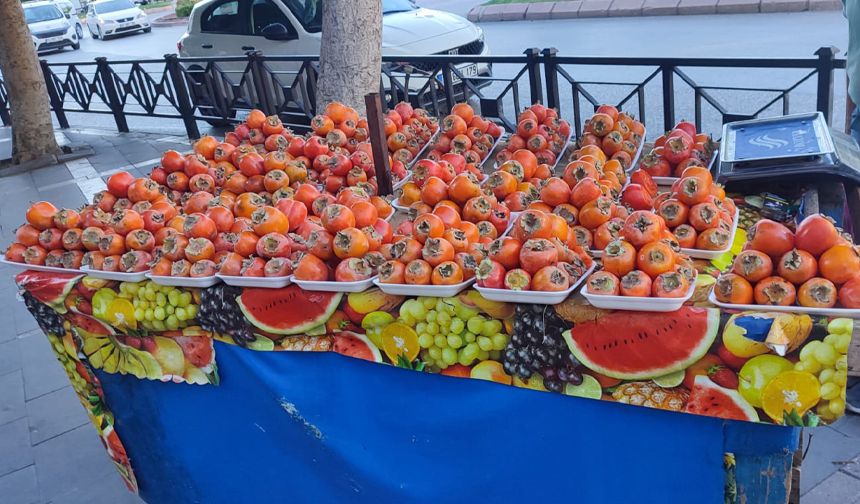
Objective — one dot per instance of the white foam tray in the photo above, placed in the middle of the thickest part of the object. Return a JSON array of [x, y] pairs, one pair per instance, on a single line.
[[116, 275], [531, 296], [265, 282], [33, 267], [311, 285], [829, 312], [198, 282], [636, 303], [423, 290]]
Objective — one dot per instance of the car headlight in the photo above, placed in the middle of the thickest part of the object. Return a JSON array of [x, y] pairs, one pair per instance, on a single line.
[[142, 15], [480, 33]]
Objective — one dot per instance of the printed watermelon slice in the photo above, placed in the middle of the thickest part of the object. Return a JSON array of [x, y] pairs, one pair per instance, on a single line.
[[289, 310], [89, 325], [644, 345], [50, 288], [356, 345], [709, 399]]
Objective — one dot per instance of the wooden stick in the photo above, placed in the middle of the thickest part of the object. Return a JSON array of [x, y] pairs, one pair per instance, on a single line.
[[378, 143]]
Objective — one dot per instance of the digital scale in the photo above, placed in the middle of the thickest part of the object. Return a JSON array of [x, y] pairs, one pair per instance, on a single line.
[[787, 149]]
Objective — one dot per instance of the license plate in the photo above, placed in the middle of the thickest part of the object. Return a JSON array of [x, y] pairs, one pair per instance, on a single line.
[[54, 39], [125, 25], [467, 71]]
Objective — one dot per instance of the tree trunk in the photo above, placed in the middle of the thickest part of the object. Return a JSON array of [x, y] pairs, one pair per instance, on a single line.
[[351, 53], [32, 131]]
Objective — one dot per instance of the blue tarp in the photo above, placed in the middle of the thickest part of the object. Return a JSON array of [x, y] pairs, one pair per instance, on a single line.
[[322, 428]]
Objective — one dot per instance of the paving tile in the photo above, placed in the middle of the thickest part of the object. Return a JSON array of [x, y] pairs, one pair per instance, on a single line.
[[820, 5], [42, 371], [64, 197], [74, 467], [828, 450], [540, 10], [14, 183], [626, 8], [50, 175], [852, 468], [54, 413], [566, 10], [15, 447], [12, 397], [784, 5], [837, 488], [737, 6], [24, 322], [20, 487], [10, 356], [110, 490], [848, 425], [594, 8], [146, 153], [686, 7], [660, 7]]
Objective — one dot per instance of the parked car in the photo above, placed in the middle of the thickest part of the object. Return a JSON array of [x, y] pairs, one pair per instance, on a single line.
[[106, 18], [288, 27], [67, 7], [49, 27]]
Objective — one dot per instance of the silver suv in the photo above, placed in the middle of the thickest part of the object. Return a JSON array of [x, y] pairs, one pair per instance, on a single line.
[[50, 28]]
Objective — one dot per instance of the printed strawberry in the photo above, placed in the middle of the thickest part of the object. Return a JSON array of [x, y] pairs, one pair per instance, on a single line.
[[723, 376]]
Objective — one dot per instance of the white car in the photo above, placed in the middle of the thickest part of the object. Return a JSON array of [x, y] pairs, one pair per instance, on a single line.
[[67, 7], [49, 27], [106, 18], [290, 27]]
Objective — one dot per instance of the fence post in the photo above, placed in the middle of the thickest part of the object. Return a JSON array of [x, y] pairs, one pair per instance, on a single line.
[[114, 102], [824, 101], [668, 72], [53, 96], [550, 69], [448, 82], [533, 63], [183, 98], [260, 87], [376, 131]]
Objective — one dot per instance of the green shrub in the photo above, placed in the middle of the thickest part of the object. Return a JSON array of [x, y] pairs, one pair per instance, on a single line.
[[183, 7]]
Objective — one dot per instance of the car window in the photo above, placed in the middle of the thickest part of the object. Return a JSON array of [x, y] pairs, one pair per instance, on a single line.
[[308, 12], [265, 13], [41, 13], [222, 18], [112, 6]]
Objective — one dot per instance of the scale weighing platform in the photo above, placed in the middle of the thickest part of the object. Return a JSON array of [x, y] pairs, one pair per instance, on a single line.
[[793, 147]]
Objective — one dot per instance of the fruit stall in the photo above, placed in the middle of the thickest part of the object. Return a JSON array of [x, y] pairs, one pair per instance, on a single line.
[[596, 307]]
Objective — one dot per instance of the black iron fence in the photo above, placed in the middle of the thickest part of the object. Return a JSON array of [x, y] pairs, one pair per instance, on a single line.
[[220, 90]]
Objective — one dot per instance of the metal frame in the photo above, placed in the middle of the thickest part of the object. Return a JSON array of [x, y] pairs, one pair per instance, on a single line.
[[218, 90]]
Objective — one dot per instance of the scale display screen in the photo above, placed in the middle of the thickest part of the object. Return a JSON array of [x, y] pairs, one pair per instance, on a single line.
[[794, 136]]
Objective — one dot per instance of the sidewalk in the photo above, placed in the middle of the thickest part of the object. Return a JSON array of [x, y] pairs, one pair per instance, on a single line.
[[567, 9], [49, 452]]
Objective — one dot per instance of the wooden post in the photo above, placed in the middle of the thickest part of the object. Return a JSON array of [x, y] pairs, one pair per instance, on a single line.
[[376, 128]]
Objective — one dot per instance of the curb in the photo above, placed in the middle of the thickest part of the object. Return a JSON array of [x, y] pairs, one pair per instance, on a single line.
[[569, 9], [172, 21]]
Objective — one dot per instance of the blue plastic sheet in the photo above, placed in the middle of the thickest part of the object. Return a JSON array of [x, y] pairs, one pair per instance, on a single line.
[[320, 428]]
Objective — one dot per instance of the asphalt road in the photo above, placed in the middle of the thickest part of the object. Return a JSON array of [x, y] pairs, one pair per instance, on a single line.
[[752, 35]]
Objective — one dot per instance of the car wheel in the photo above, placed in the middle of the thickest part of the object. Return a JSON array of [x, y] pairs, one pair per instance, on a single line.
[[92, 35], [101, 36], [79, 30], [147, 29], [76, 46]]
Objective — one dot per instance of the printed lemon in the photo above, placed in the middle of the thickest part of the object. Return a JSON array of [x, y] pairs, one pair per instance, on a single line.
[[400, 339], [790, 390], [120, 313]]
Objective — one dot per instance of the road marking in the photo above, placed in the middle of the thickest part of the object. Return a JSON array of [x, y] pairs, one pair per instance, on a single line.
[[86, 177]]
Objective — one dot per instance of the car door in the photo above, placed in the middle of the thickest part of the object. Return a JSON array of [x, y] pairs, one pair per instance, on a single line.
[[223, 30]]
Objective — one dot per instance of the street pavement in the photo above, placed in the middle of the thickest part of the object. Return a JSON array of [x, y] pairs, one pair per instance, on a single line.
[[50, 454]]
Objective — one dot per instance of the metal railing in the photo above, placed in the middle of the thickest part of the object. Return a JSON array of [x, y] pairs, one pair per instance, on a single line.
[[218, 90]]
